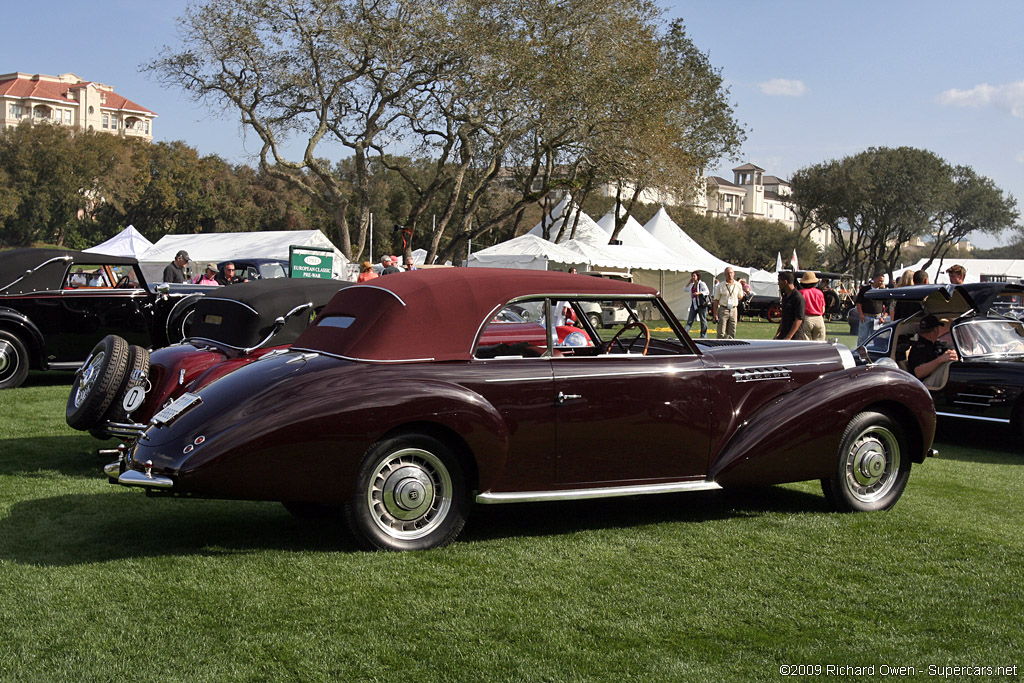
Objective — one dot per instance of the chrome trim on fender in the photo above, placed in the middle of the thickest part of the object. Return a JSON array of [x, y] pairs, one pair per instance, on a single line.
[[491, 498], [762, 374], [133, 478], [1000, 420], [361, 360]]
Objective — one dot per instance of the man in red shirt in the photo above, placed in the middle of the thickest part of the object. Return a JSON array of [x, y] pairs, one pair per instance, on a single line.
[[813, 327]]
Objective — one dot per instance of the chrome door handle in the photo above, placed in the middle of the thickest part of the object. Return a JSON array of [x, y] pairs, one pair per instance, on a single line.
[[562, 398]]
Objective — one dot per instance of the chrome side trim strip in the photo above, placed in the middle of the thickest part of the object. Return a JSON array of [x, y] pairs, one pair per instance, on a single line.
[[385, 290], [974, 417], [133, 478], [491, 498], [363, 360]]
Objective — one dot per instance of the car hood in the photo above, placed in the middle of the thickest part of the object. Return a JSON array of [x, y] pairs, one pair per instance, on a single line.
[[950, 299]]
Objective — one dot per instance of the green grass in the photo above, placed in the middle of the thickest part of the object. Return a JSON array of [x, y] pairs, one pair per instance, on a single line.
[[102, 583]]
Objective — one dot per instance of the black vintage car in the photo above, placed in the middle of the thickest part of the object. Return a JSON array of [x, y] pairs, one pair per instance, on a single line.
[[56, 304], [986, 384]]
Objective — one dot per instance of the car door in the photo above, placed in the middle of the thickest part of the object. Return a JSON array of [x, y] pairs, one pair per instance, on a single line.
[[90, 312], [629, 417]]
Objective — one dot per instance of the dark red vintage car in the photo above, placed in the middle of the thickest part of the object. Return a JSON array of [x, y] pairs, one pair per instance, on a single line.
[[229, 327], [395, 407]]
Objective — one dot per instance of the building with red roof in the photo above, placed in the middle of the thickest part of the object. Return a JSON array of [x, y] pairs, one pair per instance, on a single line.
[[67, 100]]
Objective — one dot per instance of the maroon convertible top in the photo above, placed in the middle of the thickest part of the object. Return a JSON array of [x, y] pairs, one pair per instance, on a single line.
[[436, 314]]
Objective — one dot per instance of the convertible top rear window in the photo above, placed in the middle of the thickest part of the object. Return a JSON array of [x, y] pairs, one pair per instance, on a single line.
[[342, 321]]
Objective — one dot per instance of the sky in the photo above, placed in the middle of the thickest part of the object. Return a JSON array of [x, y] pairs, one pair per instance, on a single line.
[[810, 81]]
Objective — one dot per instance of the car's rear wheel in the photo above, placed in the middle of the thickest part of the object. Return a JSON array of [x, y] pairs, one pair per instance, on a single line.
[[136, 373], [595, 320], [97, 382], [873, 466], [13, 360], [410, 494]]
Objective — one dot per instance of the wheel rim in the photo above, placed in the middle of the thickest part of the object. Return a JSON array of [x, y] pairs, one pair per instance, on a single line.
[[8, 360], [87, 378], [409, 494], [872, 464]]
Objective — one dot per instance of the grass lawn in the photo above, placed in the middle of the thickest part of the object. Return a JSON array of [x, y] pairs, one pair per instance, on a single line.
[[102, 583]]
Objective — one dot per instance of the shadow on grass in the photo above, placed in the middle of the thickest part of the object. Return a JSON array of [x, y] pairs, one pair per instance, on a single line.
[[80, 529], [52, 378], [544, 519], [969, 441], [74, 455]]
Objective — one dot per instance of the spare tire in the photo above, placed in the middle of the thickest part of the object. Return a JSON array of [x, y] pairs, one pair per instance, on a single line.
[[97, 382], [136, 373]]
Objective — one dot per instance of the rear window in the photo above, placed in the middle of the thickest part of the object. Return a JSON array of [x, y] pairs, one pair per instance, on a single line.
[[341, 321]]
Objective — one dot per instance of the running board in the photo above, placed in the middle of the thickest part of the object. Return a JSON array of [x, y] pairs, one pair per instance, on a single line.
[[491, 498]]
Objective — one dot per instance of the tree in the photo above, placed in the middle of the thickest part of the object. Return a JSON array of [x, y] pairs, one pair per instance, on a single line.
[[876, 201], [59, 179], [975, 205], [528, 94]]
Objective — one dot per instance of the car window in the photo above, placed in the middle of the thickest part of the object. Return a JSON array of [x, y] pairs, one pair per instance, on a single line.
[[271, 270], [990, 338], [880, 342], [509, 335]]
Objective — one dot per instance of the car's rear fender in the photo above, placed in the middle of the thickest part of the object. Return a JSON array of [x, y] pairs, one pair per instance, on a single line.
[[276, 431], [18, 323], [797, 436]]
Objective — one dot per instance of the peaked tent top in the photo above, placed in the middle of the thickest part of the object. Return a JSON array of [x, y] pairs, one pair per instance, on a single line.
[[128, 242]]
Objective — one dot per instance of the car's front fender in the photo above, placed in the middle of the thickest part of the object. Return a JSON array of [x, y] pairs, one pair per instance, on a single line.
[[19, 322], [797, 435]]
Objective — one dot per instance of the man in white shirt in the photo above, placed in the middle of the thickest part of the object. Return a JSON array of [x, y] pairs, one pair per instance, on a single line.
[[725, 307]]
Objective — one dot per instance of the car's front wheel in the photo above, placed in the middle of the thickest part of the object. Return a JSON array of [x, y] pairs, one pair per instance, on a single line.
[[13, 360], [873, 465], [410, 494]]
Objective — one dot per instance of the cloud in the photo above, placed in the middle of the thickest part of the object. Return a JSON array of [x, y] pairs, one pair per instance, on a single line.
[[1020, 157], [1009, 97], [783, 86]]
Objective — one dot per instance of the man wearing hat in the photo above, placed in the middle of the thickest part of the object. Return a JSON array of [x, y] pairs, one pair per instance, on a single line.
[[814, 308], [388, 267], [175, 270], [929, 353]]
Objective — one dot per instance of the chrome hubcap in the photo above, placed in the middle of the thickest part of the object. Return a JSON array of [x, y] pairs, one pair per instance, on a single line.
[[410, 493], [7, 357], [872, 464], [87, 377]]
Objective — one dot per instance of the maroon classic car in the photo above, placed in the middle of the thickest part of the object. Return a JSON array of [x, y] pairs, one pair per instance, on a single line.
[[396, 408]]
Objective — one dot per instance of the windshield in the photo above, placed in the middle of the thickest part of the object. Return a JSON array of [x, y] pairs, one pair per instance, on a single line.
[[990, 338]]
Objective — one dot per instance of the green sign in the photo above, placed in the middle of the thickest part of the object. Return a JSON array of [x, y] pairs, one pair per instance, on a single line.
[[314, 262]]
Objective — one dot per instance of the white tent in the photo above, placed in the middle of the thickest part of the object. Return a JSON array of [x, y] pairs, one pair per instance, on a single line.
[[526, 251], [976, 269], [662, 227], [586, 229], [634, 235], [128, 242], [224, 246]]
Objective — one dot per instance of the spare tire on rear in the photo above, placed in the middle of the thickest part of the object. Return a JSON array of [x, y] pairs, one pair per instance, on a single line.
[[97, 383], [136, 374]]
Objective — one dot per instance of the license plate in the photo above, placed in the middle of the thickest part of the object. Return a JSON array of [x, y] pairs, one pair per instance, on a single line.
[[177, 408]]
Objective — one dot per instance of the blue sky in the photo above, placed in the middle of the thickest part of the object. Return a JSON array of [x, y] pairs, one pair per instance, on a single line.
[[811, 81]]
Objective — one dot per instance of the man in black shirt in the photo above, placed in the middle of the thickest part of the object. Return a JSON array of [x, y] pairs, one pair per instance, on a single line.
[[175, 270], [792, 307], [928, 354]]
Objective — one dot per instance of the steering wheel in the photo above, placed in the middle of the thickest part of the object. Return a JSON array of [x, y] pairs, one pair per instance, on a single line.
[[122, 281], [645, 331]]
